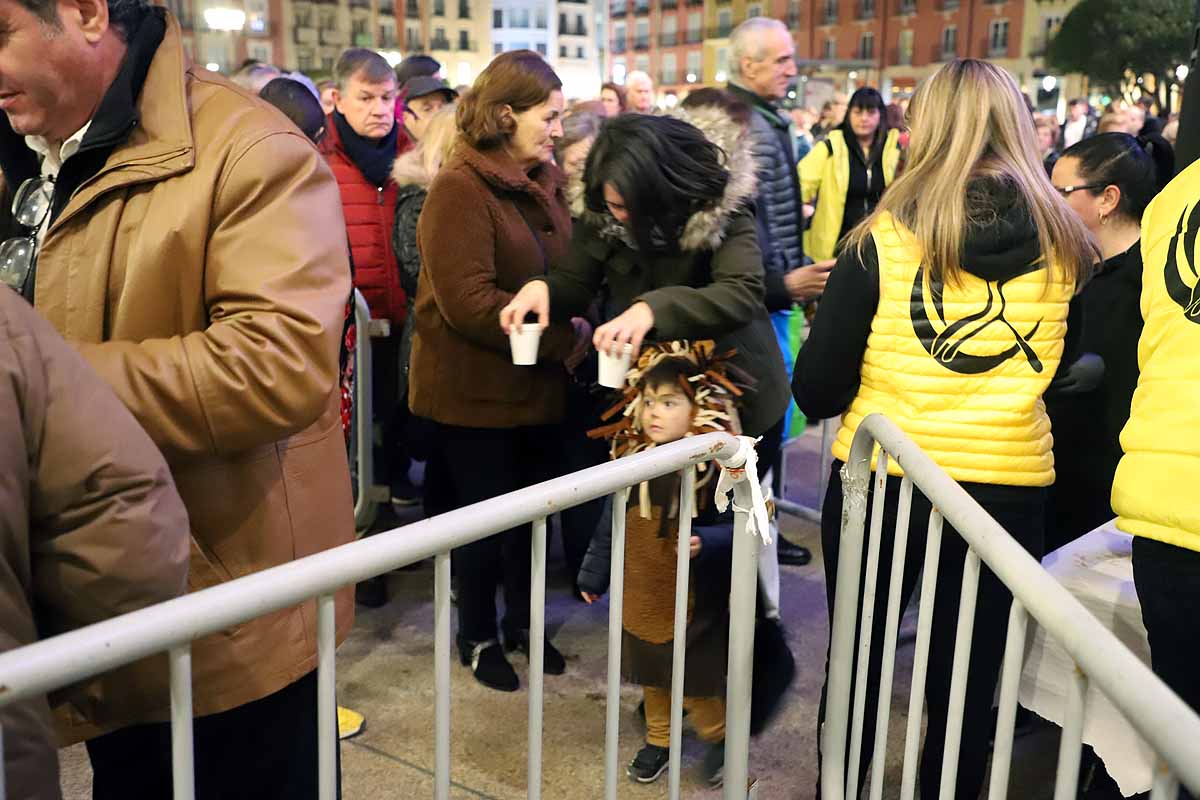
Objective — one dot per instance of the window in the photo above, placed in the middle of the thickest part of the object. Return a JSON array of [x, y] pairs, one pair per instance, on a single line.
[[753, 11], [358, 27], [304, 60], [669, 36], [866, 46], [439, 39], [259, 50], [641, 36], [541, 17], [949, 41], [439, 8], [906, 47], [464, 40], [580, 30], [694, 67], [642, 63], [831, 12], [669, 68], [695, 26], [793, 14], [866, 9], [497, 49], [541, 48], [724, 22], [580, 52], [998, 37], [464, 9], [619, 33], [519, 18], [830, 48], [562, 51], [562, 23], [722, 64], [497, 18]]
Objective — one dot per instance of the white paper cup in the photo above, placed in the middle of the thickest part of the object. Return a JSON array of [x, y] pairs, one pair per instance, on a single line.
[[524, 340], [613, 369]]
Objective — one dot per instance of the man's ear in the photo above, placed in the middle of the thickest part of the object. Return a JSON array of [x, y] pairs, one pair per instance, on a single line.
[[336, 96], [90, 15]]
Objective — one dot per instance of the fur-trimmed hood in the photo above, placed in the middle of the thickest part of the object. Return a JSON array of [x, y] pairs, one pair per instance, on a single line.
[[706, 229]]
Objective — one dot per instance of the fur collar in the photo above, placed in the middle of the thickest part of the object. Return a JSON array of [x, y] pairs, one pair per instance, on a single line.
[[495, 167], [706, 229]]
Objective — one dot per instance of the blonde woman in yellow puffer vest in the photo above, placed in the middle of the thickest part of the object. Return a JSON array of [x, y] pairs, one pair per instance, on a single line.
[[1154, 493], [947, 311]]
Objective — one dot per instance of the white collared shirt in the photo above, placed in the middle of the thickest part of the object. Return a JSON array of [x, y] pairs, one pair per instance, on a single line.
[[52, 162]]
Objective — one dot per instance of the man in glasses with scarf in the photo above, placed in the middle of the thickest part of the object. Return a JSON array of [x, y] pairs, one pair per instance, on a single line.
[[190, 243]]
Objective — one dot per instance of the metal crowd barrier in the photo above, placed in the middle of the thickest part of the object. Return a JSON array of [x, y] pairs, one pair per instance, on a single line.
[[365, 505], [172, 626], [1167, 724]]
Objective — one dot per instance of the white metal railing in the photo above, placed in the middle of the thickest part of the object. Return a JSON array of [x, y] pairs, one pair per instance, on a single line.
[[1168, 725], [172, 626]]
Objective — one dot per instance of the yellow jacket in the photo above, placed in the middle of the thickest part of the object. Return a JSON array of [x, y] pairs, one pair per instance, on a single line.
[[962, 369], [1154, 491], [826, 170]]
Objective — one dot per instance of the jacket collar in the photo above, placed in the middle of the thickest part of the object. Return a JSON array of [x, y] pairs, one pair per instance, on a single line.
[[499, 170], [766, 108], [144, 118]]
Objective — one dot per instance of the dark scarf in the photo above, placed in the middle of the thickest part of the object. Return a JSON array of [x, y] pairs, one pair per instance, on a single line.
[[373, 157]]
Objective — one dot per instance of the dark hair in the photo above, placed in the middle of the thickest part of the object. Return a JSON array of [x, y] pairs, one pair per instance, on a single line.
[[668, 372], [416, 67], [123, 15], [1078, 101], [357, 60], [709, 97], [866, 97], [297, 103], [664, 169], [520, 79], [618, 90], [1140, 167]]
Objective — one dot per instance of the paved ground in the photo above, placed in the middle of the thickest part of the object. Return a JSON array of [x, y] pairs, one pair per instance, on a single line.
[[385, 672]]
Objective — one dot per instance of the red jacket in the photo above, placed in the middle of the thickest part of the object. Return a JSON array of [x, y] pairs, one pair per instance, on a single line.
[[369, 211]]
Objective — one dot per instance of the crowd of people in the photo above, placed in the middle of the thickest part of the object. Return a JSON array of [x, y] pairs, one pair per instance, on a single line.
[[181, 252]]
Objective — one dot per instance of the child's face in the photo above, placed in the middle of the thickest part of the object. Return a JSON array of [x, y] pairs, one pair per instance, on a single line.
[[666, 413]]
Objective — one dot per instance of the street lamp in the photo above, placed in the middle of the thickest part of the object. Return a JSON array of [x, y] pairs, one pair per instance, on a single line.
[[1048, 83], [1181, 72]]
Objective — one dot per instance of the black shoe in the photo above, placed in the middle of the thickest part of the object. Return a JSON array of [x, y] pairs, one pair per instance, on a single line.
[[405, 494], [372, 592], [712, 768], [488, 664], [650, 762], [793, 555], [553, 662]]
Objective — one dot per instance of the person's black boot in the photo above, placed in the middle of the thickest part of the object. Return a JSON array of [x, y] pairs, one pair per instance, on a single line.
[[372, 593], [517, 640], [793, 555], [488, 664], [650, 762]]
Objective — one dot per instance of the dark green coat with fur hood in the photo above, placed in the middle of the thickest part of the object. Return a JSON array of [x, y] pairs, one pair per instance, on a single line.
[[711, 289]]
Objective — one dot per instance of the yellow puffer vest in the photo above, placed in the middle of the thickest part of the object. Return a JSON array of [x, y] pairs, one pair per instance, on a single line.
[[828, 175], [963, 377], [1154, 493]]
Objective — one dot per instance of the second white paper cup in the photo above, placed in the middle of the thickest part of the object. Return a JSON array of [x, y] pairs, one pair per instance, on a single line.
[[524, 340], [613, 369]]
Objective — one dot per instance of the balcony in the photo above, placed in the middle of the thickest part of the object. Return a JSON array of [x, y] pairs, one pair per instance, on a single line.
[[906, 7], [641, 43], [618, 47], [667, 5], [720, 31], [641, 7], [668, 39], [387, 9], [467, 46], [412, 9], [439, 44], [998, 50], [900, 57], [414, 45], [694, 37], [865, 10], [667, 78], [619, 9], [388, 41], [691, 3], [305, 35], [864, 53]]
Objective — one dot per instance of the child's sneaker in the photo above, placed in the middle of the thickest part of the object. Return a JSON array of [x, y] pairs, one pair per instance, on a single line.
[[712, 768], [649, 764]]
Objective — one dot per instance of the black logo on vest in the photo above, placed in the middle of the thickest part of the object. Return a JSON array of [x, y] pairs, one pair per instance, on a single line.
[[949, 347], [1188, 297]]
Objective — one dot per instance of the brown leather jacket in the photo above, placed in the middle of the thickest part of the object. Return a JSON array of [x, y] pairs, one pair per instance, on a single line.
[[202, 271], [485, 229], [90, 523]]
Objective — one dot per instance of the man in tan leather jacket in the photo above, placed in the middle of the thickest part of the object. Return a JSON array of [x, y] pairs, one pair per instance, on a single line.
[[90, 523], [195, 253]]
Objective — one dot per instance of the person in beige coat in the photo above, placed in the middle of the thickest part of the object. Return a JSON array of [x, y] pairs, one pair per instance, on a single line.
[[90, 523], [192, 246]]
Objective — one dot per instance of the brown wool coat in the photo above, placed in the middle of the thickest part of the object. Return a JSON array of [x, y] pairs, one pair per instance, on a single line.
[[203, 274], [486, 229]]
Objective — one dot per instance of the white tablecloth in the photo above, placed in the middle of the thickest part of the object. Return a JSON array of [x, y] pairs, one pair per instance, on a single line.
[[1097, 569]]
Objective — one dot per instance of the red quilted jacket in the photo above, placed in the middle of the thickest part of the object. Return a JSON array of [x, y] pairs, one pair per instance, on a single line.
[[369, 211]]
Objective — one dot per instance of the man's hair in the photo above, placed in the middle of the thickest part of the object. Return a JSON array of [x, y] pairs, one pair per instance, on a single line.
[[359, 61], [638, 75], [123, 15], [1077, 101], [746, 41], [416, 67], [297, 103]]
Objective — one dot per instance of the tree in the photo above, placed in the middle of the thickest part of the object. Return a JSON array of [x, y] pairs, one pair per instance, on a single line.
[[1114, 42]]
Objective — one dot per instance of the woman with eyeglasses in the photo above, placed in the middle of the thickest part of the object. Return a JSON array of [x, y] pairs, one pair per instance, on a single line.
[[947, 313], [1107, 180]]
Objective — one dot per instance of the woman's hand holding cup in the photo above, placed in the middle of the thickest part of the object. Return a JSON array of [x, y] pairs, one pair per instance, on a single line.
[[534, 298]]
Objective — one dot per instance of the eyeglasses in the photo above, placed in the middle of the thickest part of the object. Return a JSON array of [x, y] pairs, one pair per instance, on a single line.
[[1065, 191], [31, 206]]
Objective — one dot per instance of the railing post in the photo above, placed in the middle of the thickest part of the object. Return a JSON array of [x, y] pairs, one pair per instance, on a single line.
[[1067, 780], [916, 696], [687, 501], [1006, 714], [183, 777], [327, 727], [537, 645], [616, 604], [958, 678], [441, 668], [364, 439], [742, 599]]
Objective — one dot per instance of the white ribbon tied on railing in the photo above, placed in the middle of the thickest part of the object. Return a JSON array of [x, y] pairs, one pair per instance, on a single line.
[[746, 469]]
